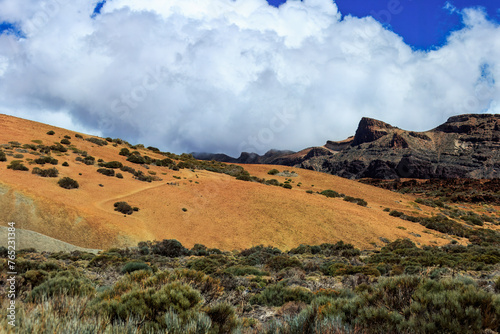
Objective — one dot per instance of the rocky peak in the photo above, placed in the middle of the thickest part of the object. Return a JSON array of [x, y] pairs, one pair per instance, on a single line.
[[369, 130], [471, 124]]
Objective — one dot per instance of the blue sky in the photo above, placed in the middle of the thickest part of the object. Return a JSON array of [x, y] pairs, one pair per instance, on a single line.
[[424, 24], [232, 76]]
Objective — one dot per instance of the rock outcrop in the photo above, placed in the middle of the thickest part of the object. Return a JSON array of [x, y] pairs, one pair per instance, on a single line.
[[466, 146]]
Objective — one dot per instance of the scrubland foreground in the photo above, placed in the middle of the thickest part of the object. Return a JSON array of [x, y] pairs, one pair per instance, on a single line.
[[163, 287]]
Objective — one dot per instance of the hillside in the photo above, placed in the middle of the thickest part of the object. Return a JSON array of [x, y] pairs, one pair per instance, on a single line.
[[185, 199], [466, 146]]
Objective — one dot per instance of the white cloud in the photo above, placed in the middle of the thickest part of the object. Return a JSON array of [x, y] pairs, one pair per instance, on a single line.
[[223, 75]]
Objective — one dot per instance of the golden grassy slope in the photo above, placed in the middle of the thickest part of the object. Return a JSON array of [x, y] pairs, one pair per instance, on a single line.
[[221, 211]]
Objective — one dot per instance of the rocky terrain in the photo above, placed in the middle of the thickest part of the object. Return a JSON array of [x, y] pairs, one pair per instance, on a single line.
[[466, 146]]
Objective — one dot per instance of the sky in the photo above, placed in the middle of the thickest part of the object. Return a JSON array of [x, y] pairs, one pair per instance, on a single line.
[[247, 75]]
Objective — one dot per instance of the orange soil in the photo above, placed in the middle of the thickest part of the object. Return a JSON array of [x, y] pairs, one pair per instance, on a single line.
[[221, 211]]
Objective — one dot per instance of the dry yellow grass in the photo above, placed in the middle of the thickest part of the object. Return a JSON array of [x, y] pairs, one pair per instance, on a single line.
[[221, 211]]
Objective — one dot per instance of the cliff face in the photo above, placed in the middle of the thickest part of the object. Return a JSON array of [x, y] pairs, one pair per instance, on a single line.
[[465, 146]]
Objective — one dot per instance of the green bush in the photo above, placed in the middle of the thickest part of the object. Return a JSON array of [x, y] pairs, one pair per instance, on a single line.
[[134, 266], [46, 160], [273, 171], [66, 283], [329, 193], [123, 207], [128, 300], [170, 248], [245, 270], [65, 141], [107, 172], [223, 317], [97, 141], [3, 157], [125, 152], [17, 165], [58, 148], [50, 172], [65, 164], [111, 164], [78, 136], [119, 175], [50, 133], [68, 183], [136, 159], [358, 201], [278, 294], [281, 262]]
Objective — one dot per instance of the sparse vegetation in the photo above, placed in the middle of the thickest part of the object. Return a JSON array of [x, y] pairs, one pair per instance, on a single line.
[[106, 171], [68, 183], [124, 208], [97, 141], [51, 133], [17, 165], [50, 172], [273, 171]]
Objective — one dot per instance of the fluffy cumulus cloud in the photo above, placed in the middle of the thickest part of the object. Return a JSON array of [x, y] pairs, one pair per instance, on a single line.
[[230, 76]]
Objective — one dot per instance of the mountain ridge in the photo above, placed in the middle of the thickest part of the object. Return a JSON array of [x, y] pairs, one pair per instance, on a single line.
[[465, 146]]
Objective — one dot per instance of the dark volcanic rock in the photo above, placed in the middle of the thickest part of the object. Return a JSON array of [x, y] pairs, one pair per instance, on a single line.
[[370, 130], [466, 146]]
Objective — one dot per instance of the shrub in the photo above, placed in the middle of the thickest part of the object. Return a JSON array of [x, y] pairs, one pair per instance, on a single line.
[[111, 164], [58, 148], [136, 159], [245, 270], [148, 304], [107, 172], [51, 172], [65, 141], [65, 164], [125, 152], [278, 294], [273, 171], [68, 183], [78, 136], [46, 160], [50, 133], [280, 262], [97, 141], [66, 283], [17, 165], [134, 266], [170, 248], [123, 207], [287, 186], [358, 201], [329, 193], [223, 318], [3, 157], [119, 175]]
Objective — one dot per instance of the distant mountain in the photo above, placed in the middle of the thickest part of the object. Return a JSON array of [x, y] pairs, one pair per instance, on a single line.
[[466, 146]]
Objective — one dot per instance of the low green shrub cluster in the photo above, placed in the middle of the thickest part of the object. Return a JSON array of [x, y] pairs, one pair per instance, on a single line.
[[50, 172], [330, 193], [106, 171], [111, 164], [68, 183], [97, 141], [46, 160], [124, 208], [17, 165], [3, 157], [358, 201]]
